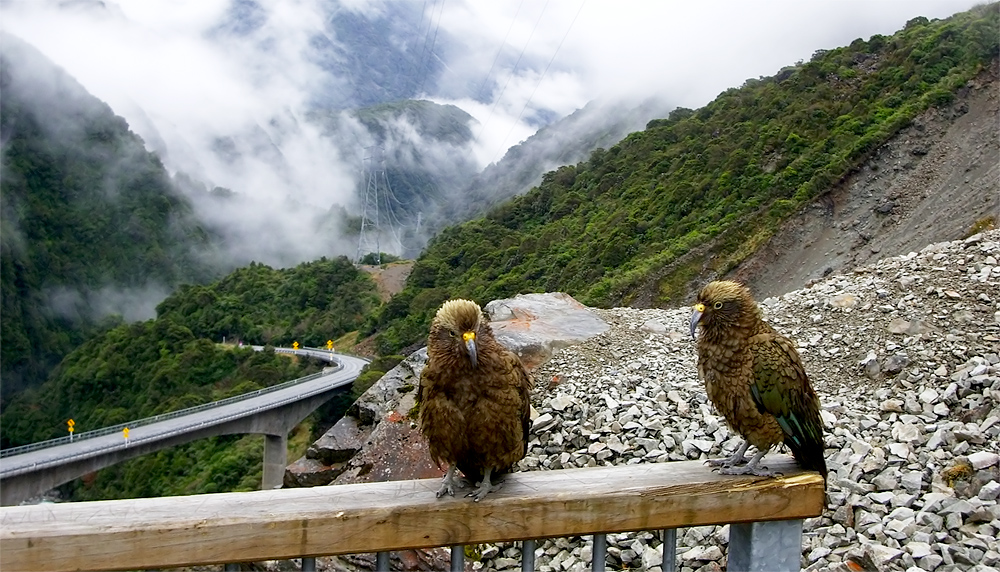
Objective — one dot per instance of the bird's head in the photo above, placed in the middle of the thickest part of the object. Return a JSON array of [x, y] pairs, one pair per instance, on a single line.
[[720, 305], [455, 329]]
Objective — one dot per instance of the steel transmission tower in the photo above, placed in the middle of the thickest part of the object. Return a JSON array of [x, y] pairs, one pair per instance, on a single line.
[[368, 239]]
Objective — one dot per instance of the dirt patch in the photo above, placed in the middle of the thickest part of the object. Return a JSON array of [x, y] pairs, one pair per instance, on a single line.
[[389, 278], [930, 183]]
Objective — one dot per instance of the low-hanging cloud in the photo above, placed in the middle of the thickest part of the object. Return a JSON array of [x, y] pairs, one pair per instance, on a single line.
[[223, 90], [225, 107], [683, 52]]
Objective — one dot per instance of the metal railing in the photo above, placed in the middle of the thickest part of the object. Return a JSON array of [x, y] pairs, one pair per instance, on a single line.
[[10, 451]]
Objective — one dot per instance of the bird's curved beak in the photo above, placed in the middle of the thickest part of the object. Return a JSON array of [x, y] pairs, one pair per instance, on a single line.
[[699, 309], [470, 344]]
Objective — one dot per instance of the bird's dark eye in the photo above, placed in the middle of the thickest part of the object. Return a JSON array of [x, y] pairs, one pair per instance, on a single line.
[[717, 305]]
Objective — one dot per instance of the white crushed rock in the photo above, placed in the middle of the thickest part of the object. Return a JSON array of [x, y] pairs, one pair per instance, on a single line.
[[905, 355]]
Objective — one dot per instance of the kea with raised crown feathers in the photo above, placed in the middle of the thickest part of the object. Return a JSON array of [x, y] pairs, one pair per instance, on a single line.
[[474, 399], [755, 378]]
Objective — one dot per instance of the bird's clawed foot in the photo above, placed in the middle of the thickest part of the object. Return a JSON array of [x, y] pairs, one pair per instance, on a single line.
[[724, 463], [483, 489], [447, 488], [753, 467], [450, 482], [731, 461]]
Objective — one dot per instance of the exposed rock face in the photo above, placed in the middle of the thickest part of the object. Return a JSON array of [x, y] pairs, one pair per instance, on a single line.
[[931, 182], [327, 458], [535, 325]]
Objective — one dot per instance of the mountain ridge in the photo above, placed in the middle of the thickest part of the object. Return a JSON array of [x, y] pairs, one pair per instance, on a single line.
[[90, 218], [697, 193]]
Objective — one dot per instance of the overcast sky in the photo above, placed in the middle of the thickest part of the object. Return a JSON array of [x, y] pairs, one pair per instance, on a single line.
[[155, 53], [162, 65], [687, 52]]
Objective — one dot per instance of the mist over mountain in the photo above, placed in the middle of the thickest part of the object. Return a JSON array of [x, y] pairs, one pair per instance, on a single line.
[[91, 224], [648, 220], [599, 124], [268, 121], [223, 91]]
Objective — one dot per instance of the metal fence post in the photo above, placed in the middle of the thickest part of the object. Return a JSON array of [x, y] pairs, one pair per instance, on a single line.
[[527, 555], [771, 546], [669, 550], [599, 553], [457, 558], [381, 562]]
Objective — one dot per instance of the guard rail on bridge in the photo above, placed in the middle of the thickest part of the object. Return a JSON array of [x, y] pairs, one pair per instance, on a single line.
[[766, 516], [272, 412], [313, 352]]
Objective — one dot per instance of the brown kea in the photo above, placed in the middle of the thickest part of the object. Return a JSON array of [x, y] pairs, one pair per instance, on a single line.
[[756, 380], [474, 405]]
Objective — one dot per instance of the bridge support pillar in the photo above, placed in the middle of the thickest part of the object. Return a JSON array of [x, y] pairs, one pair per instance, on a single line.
[[275, 461]]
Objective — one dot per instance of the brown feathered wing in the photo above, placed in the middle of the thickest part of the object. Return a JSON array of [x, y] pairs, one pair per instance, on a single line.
[[781, 388], [503, 413], [477, 417]]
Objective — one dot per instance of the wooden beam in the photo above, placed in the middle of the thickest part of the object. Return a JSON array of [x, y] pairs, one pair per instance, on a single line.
[[288, 523]]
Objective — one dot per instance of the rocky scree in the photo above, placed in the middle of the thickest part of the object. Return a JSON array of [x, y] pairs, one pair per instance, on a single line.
[[904, 355]]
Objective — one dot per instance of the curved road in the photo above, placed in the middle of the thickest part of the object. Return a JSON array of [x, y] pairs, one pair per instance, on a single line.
[[61, 451]]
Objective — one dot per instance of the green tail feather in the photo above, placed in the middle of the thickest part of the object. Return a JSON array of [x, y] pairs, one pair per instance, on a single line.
[[806, 443], [810, 458]]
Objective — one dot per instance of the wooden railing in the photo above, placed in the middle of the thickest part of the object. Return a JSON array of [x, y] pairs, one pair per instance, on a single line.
[[154, 533]]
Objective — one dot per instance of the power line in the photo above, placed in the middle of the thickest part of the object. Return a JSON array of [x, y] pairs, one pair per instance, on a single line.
[[496, 58], [429, 51], [511, 75], [395, 226], [539, 82], [379, 207]]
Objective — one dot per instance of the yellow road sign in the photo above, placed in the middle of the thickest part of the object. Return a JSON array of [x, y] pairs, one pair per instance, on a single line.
[[329, 344], [295, 345]]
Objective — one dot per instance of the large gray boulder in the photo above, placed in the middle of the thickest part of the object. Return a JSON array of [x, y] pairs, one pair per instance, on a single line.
[[534, 326]]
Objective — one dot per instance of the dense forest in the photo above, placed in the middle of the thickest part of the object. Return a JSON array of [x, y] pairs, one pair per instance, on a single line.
[[719, 179], [309, 303], [89, 217]]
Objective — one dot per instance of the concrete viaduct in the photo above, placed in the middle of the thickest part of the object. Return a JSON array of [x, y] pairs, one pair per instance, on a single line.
[[31, 470]]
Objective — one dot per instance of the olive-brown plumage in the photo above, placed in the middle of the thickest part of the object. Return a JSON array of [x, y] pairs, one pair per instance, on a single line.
[[474, 399], [755, 378]]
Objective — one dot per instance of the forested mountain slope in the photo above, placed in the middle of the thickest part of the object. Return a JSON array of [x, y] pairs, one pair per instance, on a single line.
[[599, 124], [938, 179], [309, 303], [91, 225], [716, 182]]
